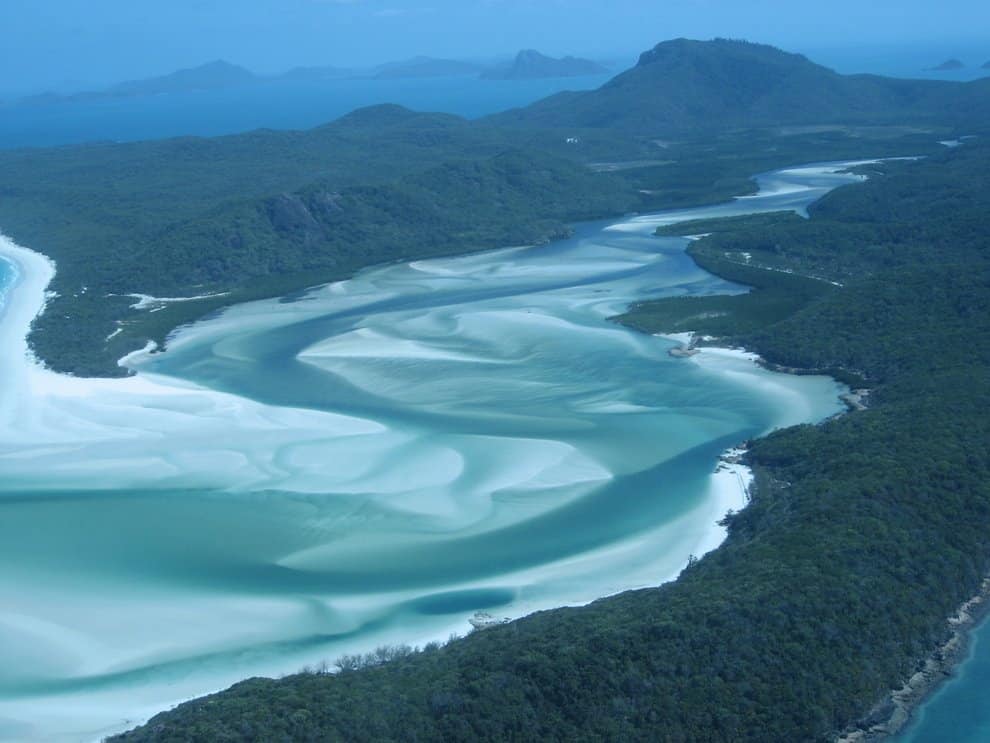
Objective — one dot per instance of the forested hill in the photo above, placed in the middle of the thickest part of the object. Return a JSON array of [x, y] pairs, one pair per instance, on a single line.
[[269, 212], [266, 213], [242, 217], [685, 85], [864, 533]]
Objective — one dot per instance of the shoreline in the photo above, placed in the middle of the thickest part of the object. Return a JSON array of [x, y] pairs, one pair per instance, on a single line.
[[903, 702], [728, 485], [221, 301], [33, 273], [34, 396], [896, 711]]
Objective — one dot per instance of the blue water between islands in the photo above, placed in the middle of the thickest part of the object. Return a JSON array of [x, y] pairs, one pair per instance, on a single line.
[[274, 105]]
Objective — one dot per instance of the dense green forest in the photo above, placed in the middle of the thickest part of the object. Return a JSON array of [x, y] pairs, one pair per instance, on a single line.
[[863, 535], [266, 213]]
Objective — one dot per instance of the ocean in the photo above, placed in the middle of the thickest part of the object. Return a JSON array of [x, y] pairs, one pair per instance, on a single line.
[[272, 105]]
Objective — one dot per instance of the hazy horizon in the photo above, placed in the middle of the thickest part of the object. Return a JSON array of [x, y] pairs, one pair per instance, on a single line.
[[72, 44]]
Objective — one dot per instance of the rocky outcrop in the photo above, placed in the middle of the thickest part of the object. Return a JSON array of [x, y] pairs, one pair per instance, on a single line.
[[893, 713]]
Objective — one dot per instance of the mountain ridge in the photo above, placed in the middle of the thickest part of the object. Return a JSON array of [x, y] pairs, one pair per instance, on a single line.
[[214, 75], [220, 74], [686, 85], [947, 66]]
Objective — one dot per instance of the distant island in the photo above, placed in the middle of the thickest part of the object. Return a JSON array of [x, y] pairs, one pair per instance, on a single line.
[[947, 66], [529, 64], [221, 75], [216, 75], [986, 65]]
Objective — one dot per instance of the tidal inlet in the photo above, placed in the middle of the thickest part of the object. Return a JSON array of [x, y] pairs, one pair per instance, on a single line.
[[370, 463]]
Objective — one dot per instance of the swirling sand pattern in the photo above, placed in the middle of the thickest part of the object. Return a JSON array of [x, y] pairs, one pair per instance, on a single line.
[[369, 462]]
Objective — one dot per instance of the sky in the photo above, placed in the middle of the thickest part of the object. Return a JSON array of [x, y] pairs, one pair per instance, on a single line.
[[52, 43]]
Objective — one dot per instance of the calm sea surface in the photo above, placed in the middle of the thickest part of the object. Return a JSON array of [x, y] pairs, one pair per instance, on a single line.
[[274, 105]]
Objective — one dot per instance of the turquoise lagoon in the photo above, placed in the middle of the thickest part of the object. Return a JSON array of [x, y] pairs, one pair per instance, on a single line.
[[369, 462]]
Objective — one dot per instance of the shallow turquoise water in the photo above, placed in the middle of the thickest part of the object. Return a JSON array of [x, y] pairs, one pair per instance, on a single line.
[[7, 276], [958, 712], [370, 462]]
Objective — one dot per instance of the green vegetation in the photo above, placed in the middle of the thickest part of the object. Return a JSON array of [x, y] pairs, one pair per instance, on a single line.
[[187, 217], [863, 533], [777, 292], [684, 86], [381, 184]]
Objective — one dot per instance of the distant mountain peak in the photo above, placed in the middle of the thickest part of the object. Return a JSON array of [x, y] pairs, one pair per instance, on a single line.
[[947, 66], [526, 55], [215, 68], [215, 75], [209, 76], [685, 86], [678, 49], [530, 64]]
